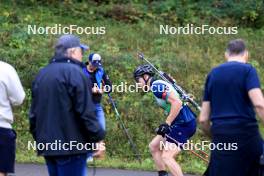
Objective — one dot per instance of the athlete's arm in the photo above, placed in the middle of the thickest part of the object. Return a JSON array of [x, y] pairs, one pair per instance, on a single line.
[[204, 117], [257, 100], [254, 92], [176, 105]]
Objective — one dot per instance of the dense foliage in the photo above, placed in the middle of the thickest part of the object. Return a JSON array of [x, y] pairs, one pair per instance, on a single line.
[[131, 26]]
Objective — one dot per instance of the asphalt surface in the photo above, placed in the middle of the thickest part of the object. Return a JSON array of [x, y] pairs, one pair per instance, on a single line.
[[40, 170]]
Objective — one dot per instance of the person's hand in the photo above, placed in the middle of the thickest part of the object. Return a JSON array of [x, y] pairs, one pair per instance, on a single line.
[[100, 91], [100, 153], [95, 90], [163, 129]]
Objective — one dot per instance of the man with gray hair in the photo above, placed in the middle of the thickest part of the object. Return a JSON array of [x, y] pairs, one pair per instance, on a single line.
[[62, 113], [232, 92]]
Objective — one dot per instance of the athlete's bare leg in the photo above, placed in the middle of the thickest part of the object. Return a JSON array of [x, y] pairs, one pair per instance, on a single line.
[[156, 152], [168, 155]]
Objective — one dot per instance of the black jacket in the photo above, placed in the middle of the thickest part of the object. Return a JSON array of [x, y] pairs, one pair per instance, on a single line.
[[62, 110], [96, 97]]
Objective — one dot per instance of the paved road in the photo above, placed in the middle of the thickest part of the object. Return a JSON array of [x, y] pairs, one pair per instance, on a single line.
[[40, 170]]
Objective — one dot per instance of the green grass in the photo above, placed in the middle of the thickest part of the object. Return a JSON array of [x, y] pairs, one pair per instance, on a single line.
[[187, 57]]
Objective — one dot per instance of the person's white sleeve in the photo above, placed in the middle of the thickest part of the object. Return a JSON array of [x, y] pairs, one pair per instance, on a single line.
[[15, 91]]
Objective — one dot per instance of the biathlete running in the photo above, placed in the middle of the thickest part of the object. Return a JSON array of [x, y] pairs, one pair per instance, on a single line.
[[180, 124]]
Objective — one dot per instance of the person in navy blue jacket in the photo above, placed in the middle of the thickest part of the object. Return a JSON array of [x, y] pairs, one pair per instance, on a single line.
[[232, 92], [62, 111], [101, 84]]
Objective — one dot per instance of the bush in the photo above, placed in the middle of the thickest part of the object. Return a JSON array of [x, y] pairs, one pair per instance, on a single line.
[[130, 28], [245, 13]]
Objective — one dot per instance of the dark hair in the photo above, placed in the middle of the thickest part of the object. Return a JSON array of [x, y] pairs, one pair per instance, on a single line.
[[60, 51], [236, 47]]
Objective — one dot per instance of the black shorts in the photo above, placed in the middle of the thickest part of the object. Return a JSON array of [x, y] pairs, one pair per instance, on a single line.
[[181, 133], [7, 150], [241, 162]]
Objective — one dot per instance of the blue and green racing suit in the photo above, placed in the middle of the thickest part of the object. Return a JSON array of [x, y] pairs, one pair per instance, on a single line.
[[184, 125]]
